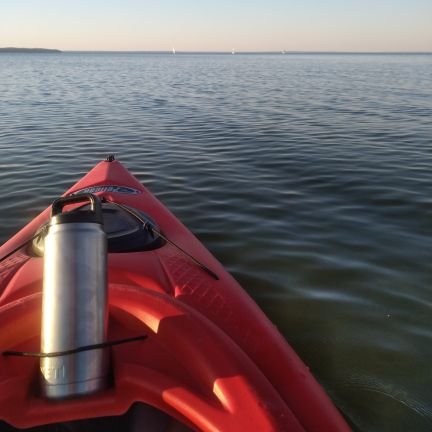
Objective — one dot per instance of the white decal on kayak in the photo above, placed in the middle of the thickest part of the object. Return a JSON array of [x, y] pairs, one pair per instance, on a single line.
[[108, 188]]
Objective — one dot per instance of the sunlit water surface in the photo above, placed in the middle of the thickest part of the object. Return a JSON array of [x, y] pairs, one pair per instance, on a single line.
[[308, 176]]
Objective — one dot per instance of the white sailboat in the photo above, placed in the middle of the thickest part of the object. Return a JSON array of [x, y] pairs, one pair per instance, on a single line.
[[233, 51], [173, 50]]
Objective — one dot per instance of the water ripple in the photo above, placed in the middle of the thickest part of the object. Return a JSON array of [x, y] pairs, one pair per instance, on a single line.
[[308, 176]]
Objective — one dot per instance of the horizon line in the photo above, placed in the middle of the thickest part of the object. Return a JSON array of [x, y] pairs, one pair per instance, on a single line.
[[249, 51], [230, 51]]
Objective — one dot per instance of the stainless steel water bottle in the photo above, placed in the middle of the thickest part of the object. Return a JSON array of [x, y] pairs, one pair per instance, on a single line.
[[74, 307]]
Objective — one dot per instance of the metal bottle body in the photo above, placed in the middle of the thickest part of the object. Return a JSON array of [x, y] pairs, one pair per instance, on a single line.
[[74, 309]]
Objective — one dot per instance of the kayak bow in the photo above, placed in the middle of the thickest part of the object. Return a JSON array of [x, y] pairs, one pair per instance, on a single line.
[[199, 353]]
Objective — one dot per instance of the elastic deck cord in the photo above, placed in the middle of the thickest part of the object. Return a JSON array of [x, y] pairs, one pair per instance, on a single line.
[[75, 350], [153, 230], [26, 243]]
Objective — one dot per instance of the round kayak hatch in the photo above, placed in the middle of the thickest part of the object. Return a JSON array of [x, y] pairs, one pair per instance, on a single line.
[[125, 233]]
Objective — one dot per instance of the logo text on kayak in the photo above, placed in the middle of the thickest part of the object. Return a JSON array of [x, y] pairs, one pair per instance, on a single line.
[[108, 188]]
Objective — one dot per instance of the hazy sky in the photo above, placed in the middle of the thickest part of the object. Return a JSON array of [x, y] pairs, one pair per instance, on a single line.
[[306, 25]]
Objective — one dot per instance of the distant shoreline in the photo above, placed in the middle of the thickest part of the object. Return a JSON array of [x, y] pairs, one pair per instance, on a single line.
[[29, 50]]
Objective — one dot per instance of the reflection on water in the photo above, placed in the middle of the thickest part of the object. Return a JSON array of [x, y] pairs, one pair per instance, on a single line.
[[308, 176]]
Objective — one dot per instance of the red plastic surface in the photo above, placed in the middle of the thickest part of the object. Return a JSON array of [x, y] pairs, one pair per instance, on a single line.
[[212, 359]]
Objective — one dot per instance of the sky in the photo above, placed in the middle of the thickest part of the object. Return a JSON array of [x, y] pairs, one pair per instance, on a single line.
[[221, 25]]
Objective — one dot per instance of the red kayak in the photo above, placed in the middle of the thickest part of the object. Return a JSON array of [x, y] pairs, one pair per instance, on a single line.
[[188, 348]]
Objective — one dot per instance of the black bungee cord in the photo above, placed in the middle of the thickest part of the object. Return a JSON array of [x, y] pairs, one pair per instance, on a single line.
[[153, 230], [75, 350]]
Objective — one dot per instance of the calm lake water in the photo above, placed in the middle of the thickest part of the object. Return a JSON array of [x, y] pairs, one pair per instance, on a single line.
[[308, 176]]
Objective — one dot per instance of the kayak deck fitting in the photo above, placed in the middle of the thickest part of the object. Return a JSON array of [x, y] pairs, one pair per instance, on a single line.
[[198, 354]]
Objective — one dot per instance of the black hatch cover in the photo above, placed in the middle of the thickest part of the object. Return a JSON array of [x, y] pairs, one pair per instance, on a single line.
[[125, 233]]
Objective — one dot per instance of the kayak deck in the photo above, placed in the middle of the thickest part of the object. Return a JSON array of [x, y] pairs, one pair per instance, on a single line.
[[211, 359]]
